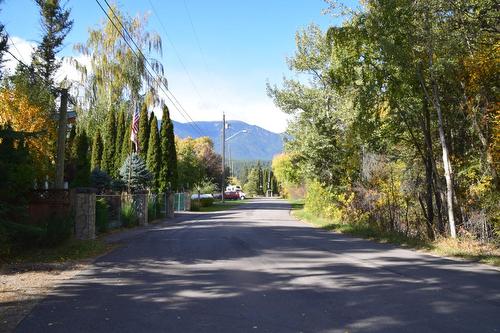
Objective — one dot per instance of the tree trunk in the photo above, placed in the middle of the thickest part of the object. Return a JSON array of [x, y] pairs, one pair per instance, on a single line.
[[426, 128], [448, 173]]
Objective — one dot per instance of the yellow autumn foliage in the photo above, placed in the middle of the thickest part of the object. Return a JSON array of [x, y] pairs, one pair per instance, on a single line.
[[16, 109]]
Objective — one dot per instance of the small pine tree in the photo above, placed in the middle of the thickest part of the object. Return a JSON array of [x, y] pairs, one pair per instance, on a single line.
[[120, 133], [168, 171], [134, 172], [108, 158], [97, 148], [81, 160], [143, 133], [154, 151]]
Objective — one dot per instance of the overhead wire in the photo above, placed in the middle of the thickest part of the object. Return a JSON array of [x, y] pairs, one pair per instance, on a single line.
[[179, 107], [176, 52], [161, 84], [200, 49]]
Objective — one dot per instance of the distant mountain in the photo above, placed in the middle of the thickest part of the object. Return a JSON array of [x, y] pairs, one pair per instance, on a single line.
[[256, 144]]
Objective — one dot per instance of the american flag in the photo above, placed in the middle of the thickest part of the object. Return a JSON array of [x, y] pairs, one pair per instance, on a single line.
[[135, 129]]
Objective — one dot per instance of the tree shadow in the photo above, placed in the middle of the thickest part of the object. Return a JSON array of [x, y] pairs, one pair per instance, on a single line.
[[218, 274]]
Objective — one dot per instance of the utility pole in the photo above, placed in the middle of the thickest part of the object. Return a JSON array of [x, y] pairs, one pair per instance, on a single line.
[[223, 180], [61, 139]]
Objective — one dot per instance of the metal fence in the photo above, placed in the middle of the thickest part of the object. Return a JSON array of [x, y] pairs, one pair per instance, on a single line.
[[157, 205]]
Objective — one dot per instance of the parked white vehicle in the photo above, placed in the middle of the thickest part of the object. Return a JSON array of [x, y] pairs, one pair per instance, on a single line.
[[233, 188], [194, 196]]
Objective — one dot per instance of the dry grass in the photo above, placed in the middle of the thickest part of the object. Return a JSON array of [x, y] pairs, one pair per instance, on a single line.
[[464, 247]]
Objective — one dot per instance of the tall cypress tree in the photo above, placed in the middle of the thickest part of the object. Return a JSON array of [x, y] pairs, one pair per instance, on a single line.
[[97, 148], [120, 133], [154, 151], [82, 163], [168, 169], [143, 134], [126, 144], [108, 156]]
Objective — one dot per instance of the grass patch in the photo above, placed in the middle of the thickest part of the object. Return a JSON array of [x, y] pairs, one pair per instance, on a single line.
[[71, 250], [218, 206], [461, 248]]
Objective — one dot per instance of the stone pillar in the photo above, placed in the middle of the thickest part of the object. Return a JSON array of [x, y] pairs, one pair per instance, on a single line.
[[140, 202], [187, 201], [169, 205], [83, 203]]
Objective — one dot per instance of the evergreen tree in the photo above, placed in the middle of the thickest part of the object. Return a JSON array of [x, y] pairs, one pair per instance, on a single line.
[[168, 169], [134, 172], [97, 148], [108, 156], [81, 160], [126, 144], [154, 151], [143, 134], [56, 25], [120, 134]]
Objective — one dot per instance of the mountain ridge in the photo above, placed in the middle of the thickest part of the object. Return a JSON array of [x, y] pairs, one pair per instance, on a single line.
[[256, 144]]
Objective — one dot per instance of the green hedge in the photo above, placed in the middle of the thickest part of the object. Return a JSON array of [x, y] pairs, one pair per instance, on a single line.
[[101, 215]]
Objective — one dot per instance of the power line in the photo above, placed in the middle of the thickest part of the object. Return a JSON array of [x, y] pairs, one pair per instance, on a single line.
[[194, 125], [195, 88], [197, 40], [161, 84]]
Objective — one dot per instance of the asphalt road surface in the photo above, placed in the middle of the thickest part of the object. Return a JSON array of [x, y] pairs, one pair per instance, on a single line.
[[257, 269]]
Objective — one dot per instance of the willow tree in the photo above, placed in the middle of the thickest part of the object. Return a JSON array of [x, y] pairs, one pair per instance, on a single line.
[[117, 74]]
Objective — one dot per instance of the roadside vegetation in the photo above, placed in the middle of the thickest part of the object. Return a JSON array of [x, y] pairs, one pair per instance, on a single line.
[[395, 130], [463, 247]]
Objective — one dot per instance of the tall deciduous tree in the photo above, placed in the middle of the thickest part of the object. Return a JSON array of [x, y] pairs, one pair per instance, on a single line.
[[116, 72]]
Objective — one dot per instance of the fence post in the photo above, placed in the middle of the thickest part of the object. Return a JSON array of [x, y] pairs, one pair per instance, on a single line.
[[187, 201], [84, 210], [141, 207]]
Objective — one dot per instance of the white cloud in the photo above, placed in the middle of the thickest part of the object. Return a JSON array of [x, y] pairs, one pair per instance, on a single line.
[[21, 49], [242, 99]]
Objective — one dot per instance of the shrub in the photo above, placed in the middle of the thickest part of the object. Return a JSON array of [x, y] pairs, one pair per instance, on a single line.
[[321, 202], [153, 209], [58, 229], [206, 202], [23, 236], [195, 205], [101, 215], [129, 218]]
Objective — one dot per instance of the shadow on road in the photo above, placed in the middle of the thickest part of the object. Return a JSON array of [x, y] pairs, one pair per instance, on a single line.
[[232, 272]]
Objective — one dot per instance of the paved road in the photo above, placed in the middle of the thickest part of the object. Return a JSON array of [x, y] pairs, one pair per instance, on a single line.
[[256, 269]]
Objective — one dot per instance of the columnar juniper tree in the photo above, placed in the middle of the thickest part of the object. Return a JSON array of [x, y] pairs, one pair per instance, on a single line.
[[168, 169], [120, 136], [143, 134], [81, 162], [97, 148], [108, 157], [153, 160]]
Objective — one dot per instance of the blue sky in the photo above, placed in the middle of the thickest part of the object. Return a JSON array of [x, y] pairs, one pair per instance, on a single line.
[[243, 45]]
